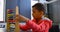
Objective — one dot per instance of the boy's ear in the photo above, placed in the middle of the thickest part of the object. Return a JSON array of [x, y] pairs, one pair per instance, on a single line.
[[42, 12]]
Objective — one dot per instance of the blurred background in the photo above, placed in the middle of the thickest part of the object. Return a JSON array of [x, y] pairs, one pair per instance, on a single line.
[[25, 8]]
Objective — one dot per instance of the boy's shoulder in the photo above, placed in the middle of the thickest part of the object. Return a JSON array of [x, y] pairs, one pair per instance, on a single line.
[[47, 19]]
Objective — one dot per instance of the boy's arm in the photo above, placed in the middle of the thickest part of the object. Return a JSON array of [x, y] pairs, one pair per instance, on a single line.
[[42, 26], [20, 17]]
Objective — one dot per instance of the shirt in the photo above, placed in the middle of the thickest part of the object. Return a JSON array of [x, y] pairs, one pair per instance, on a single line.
[[42, 26]]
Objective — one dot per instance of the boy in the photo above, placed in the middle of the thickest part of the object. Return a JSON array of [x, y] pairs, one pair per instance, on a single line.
[[39, 23]]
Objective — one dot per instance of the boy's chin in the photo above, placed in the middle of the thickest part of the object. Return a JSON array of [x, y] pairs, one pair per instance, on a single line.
[[35, 18]]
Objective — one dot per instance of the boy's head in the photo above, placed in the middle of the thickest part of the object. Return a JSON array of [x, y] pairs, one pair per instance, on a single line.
[[38, 10]]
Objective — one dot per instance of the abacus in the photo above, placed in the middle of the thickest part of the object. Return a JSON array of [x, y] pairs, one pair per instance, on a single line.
[[12, 24]]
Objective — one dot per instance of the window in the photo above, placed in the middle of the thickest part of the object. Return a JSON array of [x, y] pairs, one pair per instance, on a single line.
[[2, 10]]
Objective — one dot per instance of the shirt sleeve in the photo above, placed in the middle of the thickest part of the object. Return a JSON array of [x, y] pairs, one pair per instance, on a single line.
[[24, 27], [42, 26]]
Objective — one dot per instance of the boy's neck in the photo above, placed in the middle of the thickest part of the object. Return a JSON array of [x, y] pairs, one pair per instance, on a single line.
[[38, 19]]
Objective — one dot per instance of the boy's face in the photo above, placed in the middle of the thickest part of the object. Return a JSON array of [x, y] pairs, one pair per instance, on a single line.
[[37, 14]]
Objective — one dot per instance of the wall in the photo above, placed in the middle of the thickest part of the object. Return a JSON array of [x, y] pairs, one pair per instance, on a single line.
[[24, 6], [54, 11]]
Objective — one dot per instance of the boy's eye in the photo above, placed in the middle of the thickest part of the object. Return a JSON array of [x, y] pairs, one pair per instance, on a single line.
[[33, 11]]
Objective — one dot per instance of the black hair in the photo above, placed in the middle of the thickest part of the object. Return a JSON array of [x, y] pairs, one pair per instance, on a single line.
[[39, 7]]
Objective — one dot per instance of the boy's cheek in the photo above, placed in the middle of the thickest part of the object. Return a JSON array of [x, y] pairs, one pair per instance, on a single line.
[[36, 15]]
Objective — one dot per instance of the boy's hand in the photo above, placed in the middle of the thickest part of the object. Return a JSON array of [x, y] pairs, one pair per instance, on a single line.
[[21, 18], [24, 18], [17, 14], [17, 18]]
